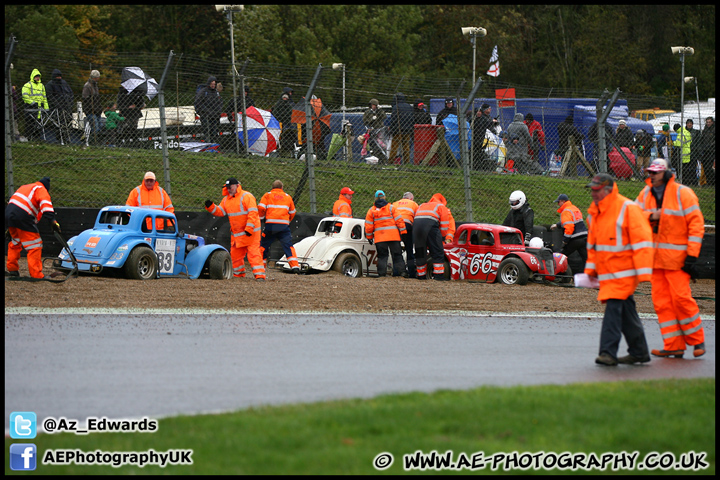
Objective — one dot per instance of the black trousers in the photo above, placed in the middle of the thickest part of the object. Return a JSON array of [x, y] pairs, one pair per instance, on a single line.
[[409, 247], [621, 319], [395, 249], [578, 244], [426, 234]]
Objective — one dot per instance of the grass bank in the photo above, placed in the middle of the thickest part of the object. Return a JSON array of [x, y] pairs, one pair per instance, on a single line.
[[95, 177], [345, 436]]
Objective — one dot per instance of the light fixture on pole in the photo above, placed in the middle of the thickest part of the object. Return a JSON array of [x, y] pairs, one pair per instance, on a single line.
[[230, 9], [682, 51], [341, 66], [472, 33]]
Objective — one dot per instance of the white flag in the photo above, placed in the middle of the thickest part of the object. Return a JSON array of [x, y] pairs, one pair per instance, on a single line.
[[494, 69]]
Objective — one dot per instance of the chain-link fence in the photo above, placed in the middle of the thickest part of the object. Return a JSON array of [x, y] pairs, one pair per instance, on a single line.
[[96, 137]]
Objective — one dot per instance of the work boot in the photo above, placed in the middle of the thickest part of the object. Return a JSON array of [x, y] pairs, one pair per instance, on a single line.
[[668, 353], [699, 350], [15, 273], [606, 359], [260, 279], [440, 278], [422, 277], [630, 359], [296, 271]]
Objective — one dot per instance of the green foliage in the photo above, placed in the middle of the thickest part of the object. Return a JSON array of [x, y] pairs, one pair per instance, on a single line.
[[569, 46]]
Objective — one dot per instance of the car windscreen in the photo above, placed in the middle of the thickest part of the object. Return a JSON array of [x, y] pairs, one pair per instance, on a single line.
[[115, 218], [510, 238]]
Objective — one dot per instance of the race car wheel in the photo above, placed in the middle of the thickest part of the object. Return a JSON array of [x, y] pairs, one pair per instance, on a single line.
[[142, 264], [220, 265], [348, 264], [512, 271], [566, 277]]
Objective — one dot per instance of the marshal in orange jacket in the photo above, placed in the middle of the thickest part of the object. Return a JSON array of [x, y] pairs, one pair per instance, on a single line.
[[619, 246], [437, 210], [681, 227], [406, 208], [242, 211], [342, 207], [384, 224], [276, 207]]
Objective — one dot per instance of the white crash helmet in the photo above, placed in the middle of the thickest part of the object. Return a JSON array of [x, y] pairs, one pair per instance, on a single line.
[[536, 242], [517, 199]]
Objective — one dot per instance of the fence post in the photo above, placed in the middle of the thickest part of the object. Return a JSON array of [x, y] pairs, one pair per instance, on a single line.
[[8, 118], [601, 117], [163, 123], [464, 153]]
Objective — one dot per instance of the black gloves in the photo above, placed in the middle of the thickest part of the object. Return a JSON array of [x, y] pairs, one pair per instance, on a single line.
[[690, 267], [56, 226], [370, 241], [8, 237], [249, 231], [208, 203], [527, 240]]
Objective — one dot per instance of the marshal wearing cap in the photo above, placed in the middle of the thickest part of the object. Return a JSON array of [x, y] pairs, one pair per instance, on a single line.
[[601, 180]]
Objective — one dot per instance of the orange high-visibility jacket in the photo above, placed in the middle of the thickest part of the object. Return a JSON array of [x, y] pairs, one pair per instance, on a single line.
[[406, 208], [242, 211], [571, 220], [277, 207], [619, 246], [436, 210], [342, 207], [681, 227], [384, 224], [157, 198], [34, 199]]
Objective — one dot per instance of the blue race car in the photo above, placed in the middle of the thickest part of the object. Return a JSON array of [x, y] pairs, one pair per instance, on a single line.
[[141, 244]]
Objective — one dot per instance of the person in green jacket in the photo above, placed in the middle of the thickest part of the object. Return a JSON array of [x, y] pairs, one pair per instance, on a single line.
[[112, 122], [683, 141], [35, 98]]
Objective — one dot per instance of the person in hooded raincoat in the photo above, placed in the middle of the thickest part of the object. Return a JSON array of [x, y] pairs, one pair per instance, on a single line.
[[209, 107], [433, 223], [384, 225], [35, 98]]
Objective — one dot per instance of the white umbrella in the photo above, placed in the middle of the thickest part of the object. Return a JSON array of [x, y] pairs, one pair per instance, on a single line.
[[133, 77]]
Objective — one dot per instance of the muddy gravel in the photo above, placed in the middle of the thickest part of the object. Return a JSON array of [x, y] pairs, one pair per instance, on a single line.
[[325, 292]]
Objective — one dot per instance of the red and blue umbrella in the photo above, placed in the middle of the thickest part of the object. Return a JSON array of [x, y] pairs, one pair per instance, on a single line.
[[263, 131]]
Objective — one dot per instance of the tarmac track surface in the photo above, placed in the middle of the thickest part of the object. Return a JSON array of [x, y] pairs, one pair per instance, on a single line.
[[134, 364]]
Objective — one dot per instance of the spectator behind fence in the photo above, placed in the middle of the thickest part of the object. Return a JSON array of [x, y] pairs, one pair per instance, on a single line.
[[209, 105], [705, 147], [537, 134], [643, 147], [92, 107], [683, 143], [113, 120], [401, 128], [60, 99], [450, 109], [519, 139], [282, 111], [595, 139], [623, 136], [420, 115], [374, 117], [35, 98], [483, 123]]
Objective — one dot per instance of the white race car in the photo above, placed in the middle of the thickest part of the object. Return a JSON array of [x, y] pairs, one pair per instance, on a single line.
[[339, 243]]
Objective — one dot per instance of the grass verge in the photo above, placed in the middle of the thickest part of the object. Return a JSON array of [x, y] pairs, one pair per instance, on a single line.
[[344, 436]]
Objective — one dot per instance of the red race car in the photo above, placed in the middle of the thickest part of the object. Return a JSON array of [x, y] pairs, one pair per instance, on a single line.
[[486, 253]]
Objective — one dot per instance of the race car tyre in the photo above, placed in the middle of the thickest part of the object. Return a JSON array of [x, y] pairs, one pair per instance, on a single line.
[[566, 277], [513, 271], [348, 264], [220, 265], [446, 270], [142, 264]]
